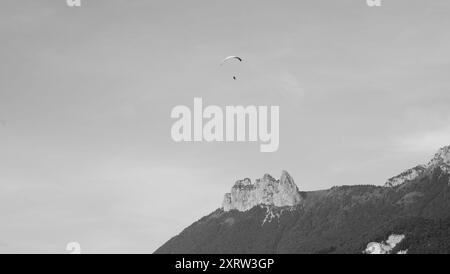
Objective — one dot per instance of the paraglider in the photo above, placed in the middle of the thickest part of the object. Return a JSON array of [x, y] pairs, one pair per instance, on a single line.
[[228, 59]]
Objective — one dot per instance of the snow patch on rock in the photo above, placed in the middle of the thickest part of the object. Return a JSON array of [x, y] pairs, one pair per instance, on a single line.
[[245, 195], [273, 213], [270, 215], [385, 247]]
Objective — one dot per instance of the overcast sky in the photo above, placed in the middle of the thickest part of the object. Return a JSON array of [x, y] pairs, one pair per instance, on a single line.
[[86, 94]]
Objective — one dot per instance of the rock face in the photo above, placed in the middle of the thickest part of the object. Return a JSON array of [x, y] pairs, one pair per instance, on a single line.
[[440, 160], [408, 175], [265, 191]]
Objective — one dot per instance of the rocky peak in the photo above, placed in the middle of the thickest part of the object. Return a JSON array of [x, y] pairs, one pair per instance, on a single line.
[[406, 176], [286, 178], [265, 191], [268, 177], [440, 160], [442, 157], [243, 183]]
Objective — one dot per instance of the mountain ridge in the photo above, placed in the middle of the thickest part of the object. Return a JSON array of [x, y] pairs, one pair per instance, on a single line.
[[342, 219]]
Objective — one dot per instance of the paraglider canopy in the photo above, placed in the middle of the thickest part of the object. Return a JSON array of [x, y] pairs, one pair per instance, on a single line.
[[231, 58], [227, 59]]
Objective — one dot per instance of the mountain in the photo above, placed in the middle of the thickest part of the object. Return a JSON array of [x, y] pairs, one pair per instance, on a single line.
[[409, 214]]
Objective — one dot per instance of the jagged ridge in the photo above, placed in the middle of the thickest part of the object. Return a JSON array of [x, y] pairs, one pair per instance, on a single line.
[[441, 159], [265, 191]]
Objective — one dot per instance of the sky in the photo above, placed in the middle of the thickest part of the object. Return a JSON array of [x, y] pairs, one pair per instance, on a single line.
[[86, 94]]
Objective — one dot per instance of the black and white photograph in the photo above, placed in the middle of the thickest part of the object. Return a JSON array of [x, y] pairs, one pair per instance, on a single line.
[[251, 128]]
